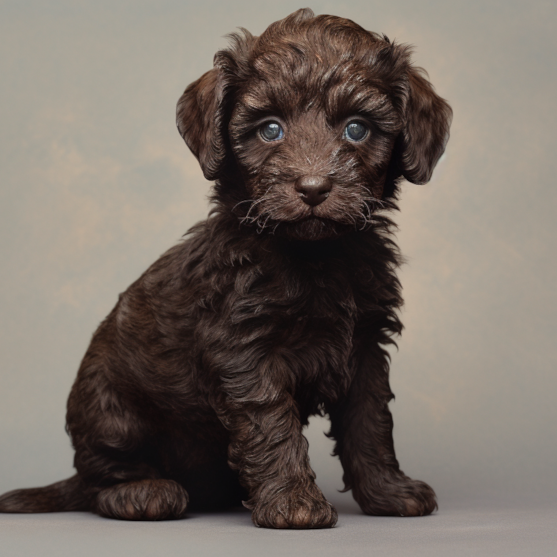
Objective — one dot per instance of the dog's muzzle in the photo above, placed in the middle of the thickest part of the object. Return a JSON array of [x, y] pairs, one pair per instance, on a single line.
[[313, 190]]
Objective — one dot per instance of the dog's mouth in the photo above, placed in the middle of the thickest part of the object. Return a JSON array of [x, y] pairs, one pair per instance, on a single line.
[[312, 227], [276, 214], [307, 226]]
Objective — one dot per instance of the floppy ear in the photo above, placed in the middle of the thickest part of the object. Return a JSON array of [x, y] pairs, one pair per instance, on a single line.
[[425, 133], [203, 110], [199, 115]]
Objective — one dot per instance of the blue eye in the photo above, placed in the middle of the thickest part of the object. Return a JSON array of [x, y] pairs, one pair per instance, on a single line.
[[271, 131], [355, 131]]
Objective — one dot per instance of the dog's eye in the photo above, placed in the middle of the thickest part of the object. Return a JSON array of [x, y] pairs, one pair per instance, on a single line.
[[271, 131], [355, 131]]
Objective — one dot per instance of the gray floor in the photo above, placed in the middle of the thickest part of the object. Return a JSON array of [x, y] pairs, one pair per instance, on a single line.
[[459, 531]]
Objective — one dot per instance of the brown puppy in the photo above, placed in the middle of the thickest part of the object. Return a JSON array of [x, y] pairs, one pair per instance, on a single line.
[[196, 387]]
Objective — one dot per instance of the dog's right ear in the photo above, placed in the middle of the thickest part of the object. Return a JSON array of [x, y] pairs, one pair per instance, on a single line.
[[199, 115], [203, 111]]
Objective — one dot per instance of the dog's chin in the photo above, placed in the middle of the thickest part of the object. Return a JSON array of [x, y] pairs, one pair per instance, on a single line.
[[312, 229]]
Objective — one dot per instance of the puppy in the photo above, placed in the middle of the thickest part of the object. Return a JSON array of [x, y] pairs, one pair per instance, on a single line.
[[195, 389]]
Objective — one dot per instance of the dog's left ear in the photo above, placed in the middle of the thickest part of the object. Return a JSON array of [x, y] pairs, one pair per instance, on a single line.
[[427, 120]]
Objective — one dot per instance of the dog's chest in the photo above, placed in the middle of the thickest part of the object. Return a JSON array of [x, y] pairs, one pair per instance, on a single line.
[[304, 314]]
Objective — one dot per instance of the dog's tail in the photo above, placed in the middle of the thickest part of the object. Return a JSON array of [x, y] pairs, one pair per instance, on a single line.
[[67, 495]]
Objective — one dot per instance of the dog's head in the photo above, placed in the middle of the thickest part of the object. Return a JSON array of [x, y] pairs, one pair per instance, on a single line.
[[308, 128]]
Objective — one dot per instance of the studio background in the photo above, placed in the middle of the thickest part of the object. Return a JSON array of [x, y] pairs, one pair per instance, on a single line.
[[96, 183]]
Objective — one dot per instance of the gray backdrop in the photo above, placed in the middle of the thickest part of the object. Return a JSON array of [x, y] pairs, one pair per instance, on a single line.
[[95, 183]]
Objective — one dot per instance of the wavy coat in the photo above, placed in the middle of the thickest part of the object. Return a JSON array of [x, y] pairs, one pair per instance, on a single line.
[[195, 389]]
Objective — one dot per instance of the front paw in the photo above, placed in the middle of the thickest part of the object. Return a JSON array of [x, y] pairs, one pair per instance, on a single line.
[[396, 495], [296, 507]]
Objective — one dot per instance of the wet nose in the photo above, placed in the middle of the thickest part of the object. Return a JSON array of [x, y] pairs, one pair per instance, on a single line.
[[313, 189]]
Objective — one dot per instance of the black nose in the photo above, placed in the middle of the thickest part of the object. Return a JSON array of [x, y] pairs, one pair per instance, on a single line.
[[313, 189]]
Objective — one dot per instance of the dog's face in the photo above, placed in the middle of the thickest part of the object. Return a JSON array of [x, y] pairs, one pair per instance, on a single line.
[[308, 128], [313, 145]]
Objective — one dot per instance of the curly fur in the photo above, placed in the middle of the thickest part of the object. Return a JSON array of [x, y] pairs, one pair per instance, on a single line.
[[195, 389]]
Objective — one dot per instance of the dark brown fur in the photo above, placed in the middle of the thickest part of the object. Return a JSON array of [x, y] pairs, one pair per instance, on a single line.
[[196, 387]]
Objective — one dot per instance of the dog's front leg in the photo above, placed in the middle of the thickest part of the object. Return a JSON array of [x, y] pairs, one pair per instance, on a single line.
[[269, 451], [362, 426]]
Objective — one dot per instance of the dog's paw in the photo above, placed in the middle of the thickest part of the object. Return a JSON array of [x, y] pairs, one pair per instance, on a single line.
[[397, 496], [143, 500], [298, 509]]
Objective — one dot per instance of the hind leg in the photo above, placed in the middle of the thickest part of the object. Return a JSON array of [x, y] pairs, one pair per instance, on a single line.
[[154, 499], [115, 452]]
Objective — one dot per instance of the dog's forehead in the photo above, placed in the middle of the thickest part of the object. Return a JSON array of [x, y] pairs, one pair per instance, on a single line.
[[326, 62], [303, 61], [290, 82]]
